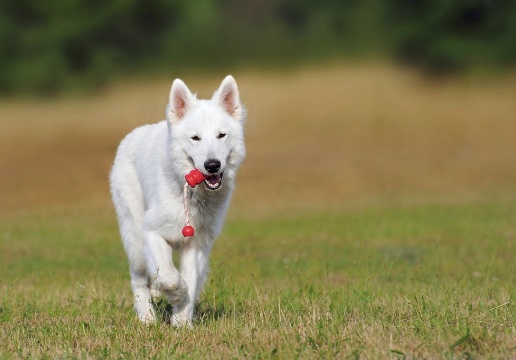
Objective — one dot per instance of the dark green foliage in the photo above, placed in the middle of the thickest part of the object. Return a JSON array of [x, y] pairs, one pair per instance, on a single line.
[[50, 46], [443, 35]]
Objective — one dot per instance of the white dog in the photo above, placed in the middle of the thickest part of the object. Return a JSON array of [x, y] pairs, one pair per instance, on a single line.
[[147, 182]]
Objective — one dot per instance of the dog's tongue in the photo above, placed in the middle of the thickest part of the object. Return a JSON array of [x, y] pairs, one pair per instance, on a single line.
[[213, 179]]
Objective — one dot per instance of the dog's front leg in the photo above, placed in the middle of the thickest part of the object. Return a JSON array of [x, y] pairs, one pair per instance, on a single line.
[[164, 276], [194, 269]]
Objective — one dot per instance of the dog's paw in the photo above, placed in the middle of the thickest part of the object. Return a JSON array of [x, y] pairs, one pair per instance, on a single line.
[[155, 292], [176, 294], [147, 320], [144, 310], [181, 322], [146, 316]]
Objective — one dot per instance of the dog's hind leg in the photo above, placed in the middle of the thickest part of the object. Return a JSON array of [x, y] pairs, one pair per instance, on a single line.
[[129, 209], [142, 298], [140, 282]]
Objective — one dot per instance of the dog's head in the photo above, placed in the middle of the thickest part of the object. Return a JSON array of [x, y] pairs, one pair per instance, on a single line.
[[207, 134]]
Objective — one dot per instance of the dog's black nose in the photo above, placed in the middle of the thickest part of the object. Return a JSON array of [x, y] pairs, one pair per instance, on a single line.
[[212, 165]]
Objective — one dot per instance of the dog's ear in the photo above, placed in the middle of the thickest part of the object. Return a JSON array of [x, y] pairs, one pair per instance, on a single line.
[[228, 97], [180, 100]]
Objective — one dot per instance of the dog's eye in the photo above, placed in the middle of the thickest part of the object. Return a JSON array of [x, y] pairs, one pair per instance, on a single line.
[[221, 135], [195, 138]]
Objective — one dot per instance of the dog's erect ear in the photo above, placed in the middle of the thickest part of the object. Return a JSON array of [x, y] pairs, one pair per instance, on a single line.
[[180, 100], [228, 97]]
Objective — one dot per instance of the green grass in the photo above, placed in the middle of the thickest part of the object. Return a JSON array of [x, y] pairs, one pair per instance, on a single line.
[[401, 281]]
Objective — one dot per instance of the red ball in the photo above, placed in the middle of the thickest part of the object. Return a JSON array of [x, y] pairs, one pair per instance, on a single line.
[[188, 231]]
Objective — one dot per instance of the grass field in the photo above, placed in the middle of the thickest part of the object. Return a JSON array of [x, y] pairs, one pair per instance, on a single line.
[[375, 217]]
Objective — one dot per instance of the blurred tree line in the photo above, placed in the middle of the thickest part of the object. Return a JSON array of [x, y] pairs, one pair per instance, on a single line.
[[52, 45]]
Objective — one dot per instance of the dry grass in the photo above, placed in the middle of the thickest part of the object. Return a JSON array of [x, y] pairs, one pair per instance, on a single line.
[[315, 136], [425, 282]]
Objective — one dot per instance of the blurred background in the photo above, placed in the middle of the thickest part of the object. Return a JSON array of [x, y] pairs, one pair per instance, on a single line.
[[349, 102]]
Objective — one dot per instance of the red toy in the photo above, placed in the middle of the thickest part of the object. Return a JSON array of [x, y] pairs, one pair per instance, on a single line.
[[193, 178], [188, 231]]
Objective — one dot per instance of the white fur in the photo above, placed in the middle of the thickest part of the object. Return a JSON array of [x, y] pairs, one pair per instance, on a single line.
[[147, 182]]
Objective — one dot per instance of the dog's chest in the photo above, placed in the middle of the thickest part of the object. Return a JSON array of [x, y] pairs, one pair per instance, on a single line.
[[205, 215]]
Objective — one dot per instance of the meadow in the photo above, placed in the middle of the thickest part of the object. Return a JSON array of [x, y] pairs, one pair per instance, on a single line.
[[374, 217]]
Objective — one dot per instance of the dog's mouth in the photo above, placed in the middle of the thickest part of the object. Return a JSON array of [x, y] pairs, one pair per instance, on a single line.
[[213, 182]]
